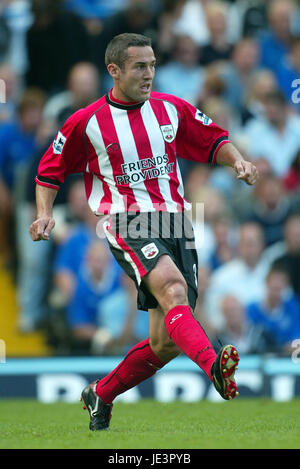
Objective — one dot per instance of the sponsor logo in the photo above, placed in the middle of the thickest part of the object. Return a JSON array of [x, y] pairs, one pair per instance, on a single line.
[[174, 318], [200, 116], [167, 132], [150, 250], [112, 147], [144, 169], [59, 143]]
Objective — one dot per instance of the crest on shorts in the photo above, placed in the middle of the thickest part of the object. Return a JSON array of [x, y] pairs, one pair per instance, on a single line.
[[167, 132], [150, 250]]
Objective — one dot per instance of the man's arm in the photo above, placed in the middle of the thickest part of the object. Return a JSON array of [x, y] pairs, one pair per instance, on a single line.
[[228, 155], [44, 223]]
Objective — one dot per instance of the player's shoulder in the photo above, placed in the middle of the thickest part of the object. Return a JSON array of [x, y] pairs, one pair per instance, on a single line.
[[180, 106], [175, 100]]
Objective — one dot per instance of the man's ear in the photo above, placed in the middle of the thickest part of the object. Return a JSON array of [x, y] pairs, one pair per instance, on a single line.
[[114, 71]]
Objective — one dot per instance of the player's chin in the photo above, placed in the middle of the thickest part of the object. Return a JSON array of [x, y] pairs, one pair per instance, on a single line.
[[144, 93]]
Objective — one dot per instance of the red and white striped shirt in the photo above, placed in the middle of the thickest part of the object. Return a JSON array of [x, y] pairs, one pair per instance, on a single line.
[[128, 152]]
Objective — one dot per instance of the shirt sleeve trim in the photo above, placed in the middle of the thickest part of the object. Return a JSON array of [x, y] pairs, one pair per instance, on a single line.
[[215, 148], [46, 182]]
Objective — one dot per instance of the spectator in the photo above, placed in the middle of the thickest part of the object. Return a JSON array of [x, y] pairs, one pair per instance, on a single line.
[[4, 36], [18, 138], [222, 114], [222, 178], [208, 205], [218, 47], [137, 17], [270, 208], [238, 73], [237, 329], [288, 71], [182, 76], [18, 144], [214, 85], [277, 313], [171, 12], [8, 107], [255, 18], [55, 42], [275, 137], [242, 277], [18, 17], [290, 260], [275, 42], [66, 265], [83, 89], [262, 83], [224, 243], [94, 8], [192, 22], [34, 277], [101, 313]]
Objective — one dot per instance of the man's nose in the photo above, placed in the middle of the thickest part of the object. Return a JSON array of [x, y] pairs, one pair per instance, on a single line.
[[149, 72]]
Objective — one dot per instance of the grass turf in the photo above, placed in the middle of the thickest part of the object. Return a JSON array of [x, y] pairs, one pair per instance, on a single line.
[[243, 423]]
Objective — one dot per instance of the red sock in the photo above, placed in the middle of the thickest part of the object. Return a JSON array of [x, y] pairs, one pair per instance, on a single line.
[[189, 336], [139, 364]]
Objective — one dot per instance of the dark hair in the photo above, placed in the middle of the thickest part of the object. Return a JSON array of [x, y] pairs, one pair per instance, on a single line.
[[116, 51], [294, 41], [31, 98], [279, 267]]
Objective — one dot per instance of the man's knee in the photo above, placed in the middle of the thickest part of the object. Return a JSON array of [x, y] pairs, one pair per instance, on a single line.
[[173, 293], [167, 284]]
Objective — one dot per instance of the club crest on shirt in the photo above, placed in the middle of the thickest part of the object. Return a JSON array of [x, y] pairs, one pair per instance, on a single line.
[[167, 132], [58, 143], [150, 250]]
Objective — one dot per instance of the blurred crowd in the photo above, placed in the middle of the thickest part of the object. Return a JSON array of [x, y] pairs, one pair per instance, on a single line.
[[237, 61]]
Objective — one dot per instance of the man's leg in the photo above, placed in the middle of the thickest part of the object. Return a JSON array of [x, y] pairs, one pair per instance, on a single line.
[[139, 364], [172, 324], [168, 286]]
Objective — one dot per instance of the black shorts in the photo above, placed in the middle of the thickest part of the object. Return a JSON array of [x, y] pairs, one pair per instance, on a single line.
[[138, 240]]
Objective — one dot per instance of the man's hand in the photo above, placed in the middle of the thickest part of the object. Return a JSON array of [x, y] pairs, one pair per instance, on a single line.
[[246, 171], [41, 228]]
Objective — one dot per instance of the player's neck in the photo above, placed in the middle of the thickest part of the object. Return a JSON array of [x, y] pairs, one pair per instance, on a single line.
[[116, 97]]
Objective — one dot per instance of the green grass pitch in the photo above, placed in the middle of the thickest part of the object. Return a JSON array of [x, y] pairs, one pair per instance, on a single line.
[[243, 423]]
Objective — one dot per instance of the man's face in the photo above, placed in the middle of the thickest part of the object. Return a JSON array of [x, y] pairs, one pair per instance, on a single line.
[[133, 82], [250, 245]]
